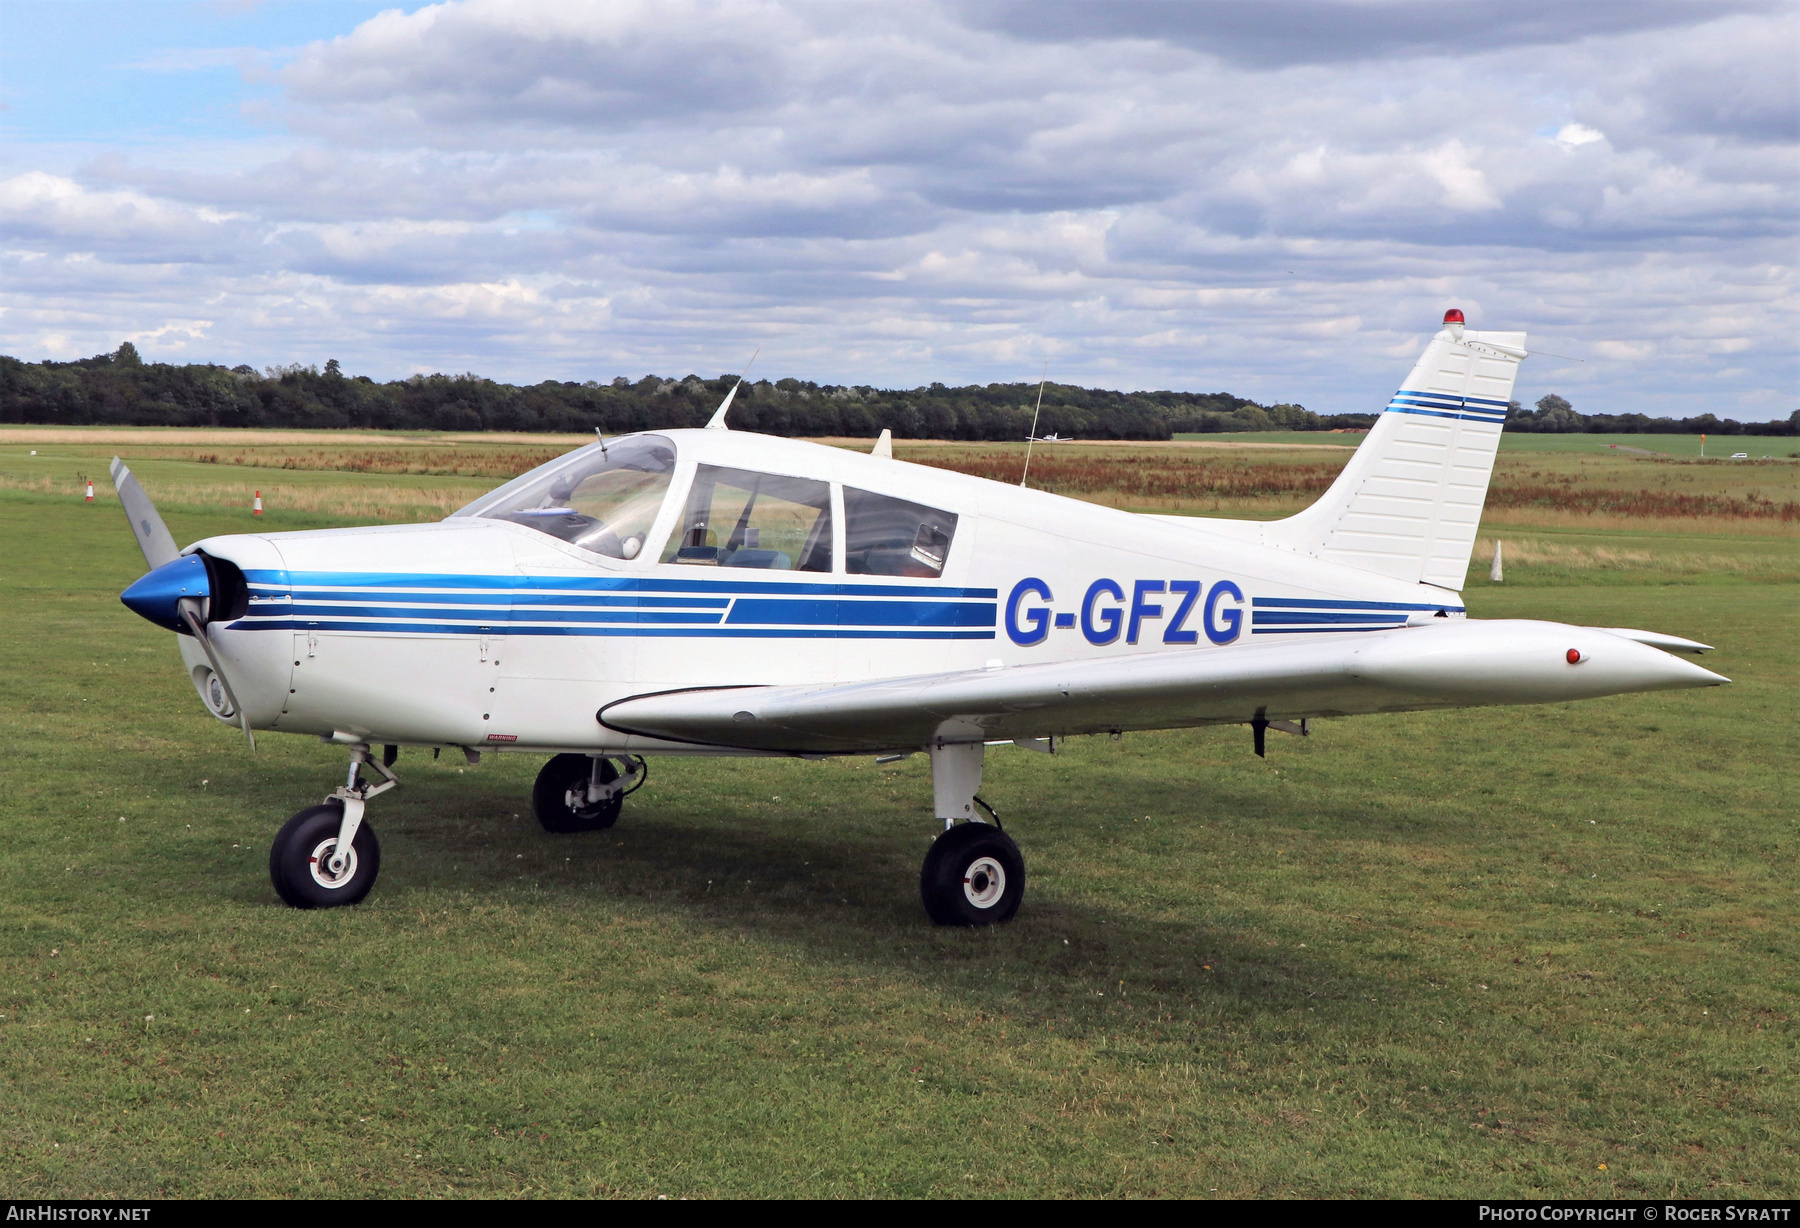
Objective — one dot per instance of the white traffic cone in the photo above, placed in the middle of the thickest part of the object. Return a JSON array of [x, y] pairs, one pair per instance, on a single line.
[[256, 507], [90, 494], [1495, 573]]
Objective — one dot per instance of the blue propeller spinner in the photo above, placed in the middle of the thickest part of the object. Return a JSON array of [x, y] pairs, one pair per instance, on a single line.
[[157, 595]]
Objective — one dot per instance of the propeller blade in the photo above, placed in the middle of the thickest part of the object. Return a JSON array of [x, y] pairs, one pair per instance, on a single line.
[[190, 614], [153, 536]]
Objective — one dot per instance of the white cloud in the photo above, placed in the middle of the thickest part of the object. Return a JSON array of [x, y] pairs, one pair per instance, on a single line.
[[905, 193], [1573, 136]]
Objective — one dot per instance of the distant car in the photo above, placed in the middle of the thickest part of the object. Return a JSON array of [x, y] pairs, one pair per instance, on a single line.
[[1740, 456]]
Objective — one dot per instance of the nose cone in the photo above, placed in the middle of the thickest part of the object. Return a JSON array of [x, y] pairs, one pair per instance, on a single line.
[[156, 595]]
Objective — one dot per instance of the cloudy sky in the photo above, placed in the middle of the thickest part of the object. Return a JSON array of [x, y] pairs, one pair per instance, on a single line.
[[1274, 197]]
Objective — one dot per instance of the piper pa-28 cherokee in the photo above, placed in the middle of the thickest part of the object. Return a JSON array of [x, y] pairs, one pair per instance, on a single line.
[[717, 592]]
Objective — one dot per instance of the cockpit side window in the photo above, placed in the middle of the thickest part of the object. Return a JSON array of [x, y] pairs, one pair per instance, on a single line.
[[884, 536], [602, 498], [736, 518]]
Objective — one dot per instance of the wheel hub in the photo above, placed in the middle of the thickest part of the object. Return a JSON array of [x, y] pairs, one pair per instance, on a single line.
[[984, 882], [329, 870]]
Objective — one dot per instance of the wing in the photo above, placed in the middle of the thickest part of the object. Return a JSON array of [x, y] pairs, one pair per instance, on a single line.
[[1458, 663]]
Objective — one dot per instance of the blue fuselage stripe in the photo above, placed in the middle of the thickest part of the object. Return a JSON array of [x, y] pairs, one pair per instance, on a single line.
[[429, 581], [863, 613], [501, 618], [1323, 603], [1315, 630], [1321, 616], [466, 605], [636, 630]]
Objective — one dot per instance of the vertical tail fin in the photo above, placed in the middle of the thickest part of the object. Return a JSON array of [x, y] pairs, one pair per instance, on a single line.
[[1409, 502]]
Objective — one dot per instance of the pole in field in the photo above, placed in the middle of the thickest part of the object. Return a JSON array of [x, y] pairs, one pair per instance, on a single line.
[[1031, 436], [1702, 445], [256, 507], [1495, 573]]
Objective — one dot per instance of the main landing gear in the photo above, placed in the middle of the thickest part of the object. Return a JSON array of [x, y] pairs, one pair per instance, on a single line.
[[584, 792], [326, 856], [974, 873]]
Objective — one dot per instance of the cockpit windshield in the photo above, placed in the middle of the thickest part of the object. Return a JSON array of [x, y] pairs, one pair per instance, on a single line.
[[603, 498]]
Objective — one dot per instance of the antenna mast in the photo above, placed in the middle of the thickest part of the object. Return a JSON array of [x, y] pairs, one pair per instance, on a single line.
[[1032, 438], [718, 419]]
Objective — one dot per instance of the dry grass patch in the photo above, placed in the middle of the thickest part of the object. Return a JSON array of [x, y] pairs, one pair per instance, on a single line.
[[1568, 496], [362, 501], [428, 461], [1147, 474], [1532, 552]]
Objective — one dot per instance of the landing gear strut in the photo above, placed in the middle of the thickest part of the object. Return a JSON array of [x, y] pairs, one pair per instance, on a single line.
[[326, 856], [974, 873], [584, 792]]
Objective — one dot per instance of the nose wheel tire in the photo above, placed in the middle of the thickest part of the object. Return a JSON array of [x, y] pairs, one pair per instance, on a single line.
[[567, 775], [973, 875], [300, 860]]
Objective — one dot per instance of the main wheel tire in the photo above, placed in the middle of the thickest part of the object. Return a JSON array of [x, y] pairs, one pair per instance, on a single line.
[[297, 860], [973, 875], [550, 795]]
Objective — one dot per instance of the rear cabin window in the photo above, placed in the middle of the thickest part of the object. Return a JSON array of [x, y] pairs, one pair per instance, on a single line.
[[884, 536], [736, 518]]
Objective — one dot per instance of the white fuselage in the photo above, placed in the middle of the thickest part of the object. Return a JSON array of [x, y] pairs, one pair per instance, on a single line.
[[490, 634]]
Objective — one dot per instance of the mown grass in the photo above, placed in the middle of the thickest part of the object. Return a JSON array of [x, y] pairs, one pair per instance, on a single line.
[[1476, 953]]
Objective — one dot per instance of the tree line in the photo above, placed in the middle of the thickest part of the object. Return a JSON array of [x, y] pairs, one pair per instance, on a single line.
[[120, 389], [1554, 415]]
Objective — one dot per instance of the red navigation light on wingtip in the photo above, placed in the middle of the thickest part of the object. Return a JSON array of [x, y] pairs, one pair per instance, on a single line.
[[1574, 657], [1454, 316]]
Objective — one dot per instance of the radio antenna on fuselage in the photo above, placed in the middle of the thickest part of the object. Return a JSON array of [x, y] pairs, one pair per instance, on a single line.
[[1032, 437], [717, 422]]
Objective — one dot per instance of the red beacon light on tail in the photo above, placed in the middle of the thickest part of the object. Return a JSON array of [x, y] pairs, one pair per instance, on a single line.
[[1453, 321]]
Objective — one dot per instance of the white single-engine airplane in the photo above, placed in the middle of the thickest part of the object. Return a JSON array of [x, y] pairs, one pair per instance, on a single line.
[[716, 592]]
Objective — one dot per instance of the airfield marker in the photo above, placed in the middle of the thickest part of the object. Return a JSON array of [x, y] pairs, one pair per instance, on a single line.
[[1495, 573], [256, 507], [90, 491]]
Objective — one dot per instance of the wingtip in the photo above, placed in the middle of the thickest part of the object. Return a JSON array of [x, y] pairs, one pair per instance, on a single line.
[[1657, 639]]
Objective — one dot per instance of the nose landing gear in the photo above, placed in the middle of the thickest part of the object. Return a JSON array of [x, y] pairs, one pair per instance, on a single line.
[[307, 867], [326, 856]]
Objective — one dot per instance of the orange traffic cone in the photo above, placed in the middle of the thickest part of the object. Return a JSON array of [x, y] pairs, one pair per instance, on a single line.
[[256, 508], [90, 494]]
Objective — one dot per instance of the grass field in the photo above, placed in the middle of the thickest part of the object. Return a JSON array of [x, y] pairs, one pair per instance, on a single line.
[[1546, 951]]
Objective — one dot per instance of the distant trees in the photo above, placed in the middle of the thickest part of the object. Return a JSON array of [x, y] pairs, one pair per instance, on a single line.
[[1554, 414], [121, 389]]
